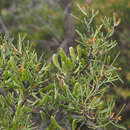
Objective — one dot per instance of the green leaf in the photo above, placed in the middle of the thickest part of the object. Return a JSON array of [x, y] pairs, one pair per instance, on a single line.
[[118, 126], [43, 116], [44, 100], [108, 60], [76, 90], [116, 58], [79, 51], [78, 68], [20, 43], [82, 11], [26, 109], [47, 88], [54, 125], [74, 125], [24, 75], [55, 61], [64, 67], [72, 54], [13, 64], [65, 61], [36, 102], [62, 98], [63, 55]]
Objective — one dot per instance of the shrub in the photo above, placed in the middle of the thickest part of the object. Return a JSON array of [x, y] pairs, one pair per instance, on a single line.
[[69, 93], [121, 9]]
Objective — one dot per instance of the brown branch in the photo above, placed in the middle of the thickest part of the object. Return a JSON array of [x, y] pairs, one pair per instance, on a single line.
[[69, 25], [63, 46], [4, 27]]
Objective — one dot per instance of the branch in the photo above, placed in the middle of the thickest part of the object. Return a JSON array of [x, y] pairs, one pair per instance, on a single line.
[[63, 45], [4, 27], [66, 5]]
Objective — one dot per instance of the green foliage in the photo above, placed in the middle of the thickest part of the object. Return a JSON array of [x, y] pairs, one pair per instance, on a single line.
[[68, 93], [121, 10], [21, 75]]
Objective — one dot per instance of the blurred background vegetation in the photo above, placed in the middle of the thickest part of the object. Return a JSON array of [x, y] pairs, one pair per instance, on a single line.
[[48, 23]]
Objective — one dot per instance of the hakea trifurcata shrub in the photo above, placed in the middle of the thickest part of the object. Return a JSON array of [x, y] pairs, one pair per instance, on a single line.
[[68, 93]]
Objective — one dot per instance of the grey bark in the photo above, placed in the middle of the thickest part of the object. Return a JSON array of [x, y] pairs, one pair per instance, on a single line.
[[66, 5]]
